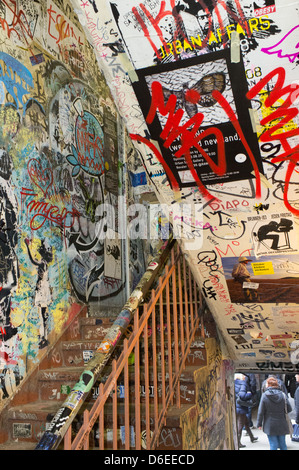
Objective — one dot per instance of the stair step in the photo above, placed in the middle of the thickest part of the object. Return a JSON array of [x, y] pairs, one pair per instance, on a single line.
[[187, 393], [171, 437], [78, 353], [17, 445], [95, 328], [56, 384]]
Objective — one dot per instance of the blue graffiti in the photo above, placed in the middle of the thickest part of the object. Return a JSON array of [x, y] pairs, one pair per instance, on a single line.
[[16, 78], [89, 151]]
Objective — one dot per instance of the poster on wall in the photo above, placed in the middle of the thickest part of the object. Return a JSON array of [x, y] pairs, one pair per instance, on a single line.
[[273, 234], [111, 153], [175, 30], [198, 113], [112, 255], [266, 279]]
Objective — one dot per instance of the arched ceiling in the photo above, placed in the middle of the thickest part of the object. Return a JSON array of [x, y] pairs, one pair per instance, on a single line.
[[209, 91]]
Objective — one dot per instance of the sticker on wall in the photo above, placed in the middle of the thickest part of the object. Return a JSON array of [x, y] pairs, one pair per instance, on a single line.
[[22, 430], [65, 389], [267, 279], [87, 356], [172, 31], [239, 339], [286, 318], [111, 153], [104, 347], [273, 234], [123, 435], [198, 113], [112, 259], [264, 7]]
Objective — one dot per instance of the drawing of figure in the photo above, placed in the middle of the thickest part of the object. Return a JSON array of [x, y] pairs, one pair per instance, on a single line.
[[9, 270], [265, 232], [43, 290]]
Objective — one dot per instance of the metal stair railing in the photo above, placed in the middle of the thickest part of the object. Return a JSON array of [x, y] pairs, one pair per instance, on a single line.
[[161, 333]]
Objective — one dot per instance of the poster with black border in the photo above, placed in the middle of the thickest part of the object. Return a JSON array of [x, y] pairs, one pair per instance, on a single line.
[[198, 113]]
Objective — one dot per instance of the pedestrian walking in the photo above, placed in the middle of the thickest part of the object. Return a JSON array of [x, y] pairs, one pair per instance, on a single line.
[[296, 399], [251, 382], [281, 384], [242, 392], [291, 384], [273, 414]]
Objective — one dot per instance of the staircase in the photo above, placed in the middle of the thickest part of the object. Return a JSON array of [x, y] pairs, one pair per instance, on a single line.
[[26, 422], [134, 403], [43, 393]]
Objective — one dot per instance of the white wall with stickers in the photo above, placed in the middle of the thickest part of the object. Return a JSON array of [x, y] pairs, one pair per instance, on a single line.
[[209, 93]]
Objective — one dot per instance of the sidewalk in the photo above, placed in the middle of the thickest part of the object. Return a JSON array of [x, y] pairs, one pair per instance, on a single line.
[[263, 443]]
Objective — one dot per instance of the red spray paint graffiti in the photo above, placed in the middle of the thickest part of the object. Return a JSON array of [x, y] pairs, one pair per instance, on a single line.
[[190, 136], [235, 13], [284, 114]]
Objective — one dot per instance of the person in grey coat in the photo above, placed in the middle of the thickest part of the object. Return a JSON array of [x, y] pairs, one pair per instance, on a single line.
[[272, 415]]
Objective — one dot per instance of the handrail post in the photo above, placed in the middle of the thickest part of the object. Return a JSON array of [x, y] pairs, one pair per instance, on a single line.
[[137, 384], [175, 328]]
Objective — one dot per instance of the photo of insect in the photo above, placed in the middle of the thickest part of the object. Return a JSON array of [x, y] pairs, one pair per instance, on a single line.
[[204, 88]]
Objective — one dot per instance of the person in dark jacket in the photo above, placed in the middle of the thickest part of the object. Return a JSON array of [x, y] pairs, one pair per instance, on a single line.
[[272, 414], [296, 399], [281, 385], [242, 391], [251, 382], [291, 384]]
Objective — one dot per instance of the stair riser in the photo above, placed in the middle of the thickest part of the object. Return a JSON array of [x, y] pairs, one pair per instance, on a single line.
[[71, 357], [170, 439], [31, 430], [94, 332], [77, 355], [58, 389], [28, 427], [26, 431], [187, 394]]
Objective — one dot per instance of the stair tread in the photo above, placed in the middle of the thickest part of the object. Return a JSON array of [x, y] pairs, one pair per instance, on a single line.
[[63, 370], [34, 408], [76, 344], [97, 321], [175, 411], [17, 445]]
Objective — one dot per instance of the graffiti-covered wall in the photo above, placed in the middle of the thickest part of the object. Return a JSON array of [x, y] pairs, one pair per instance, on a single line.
[[209, 425], [208, 91], [62, 182]]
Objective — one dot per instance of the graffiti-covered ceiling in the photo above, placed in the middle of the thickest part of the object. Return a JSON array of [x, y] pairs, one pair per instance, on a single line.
[[209, 93]]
